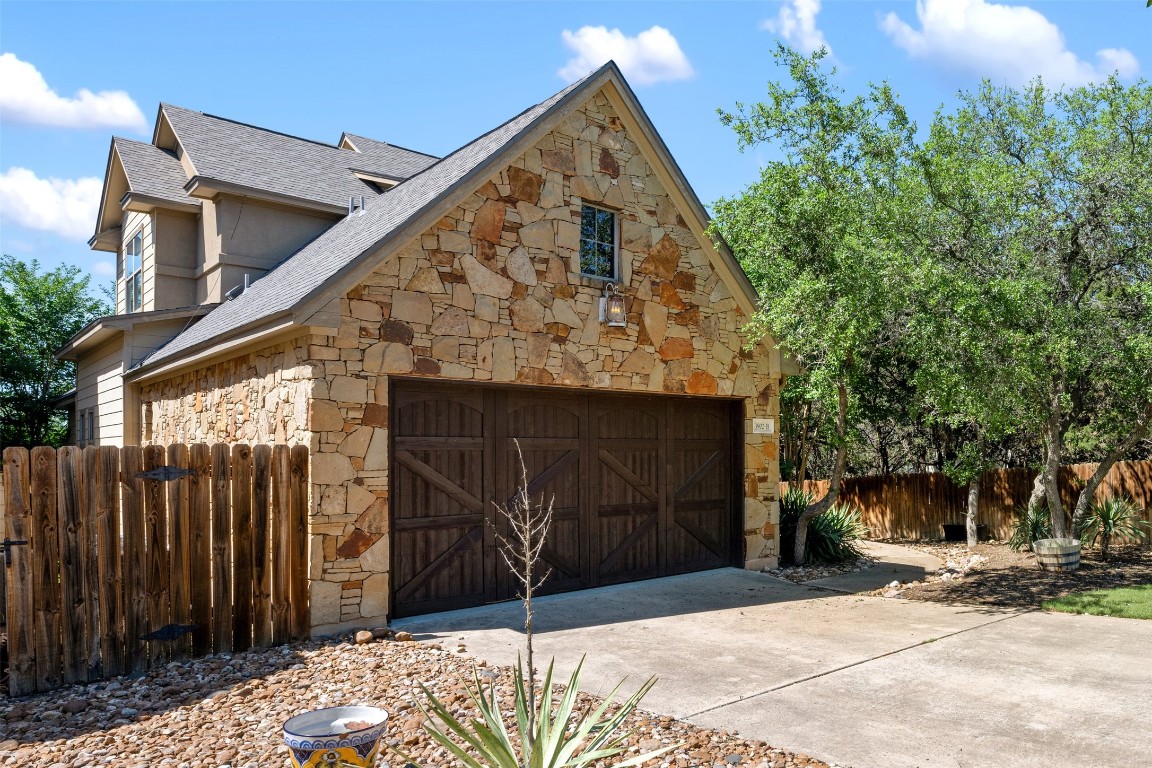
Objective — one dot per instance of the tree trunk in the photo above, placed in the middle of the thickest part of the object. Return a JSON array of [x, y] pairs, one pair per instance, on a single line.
[[1088, 492], [801, 472], [1039, 494], [1053, 443], [973, 509], [814, 510]]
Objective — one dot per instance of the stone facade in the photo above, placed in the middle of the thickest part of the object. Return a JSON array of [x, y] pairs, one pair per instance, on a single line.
[[259, 397], [490, 293]]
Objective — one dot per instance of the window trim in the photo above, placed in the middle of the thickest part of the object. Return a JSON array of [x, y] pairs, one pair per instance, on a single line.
[[134, 279], [615, 278]]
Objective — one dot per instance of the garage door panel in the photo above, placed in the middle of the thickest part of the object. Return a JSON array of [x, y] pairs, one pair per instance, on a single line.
[[449, 414], [553, 476], [436, 483], [627, 421], [629, 543], [696, 423], [438, 568]]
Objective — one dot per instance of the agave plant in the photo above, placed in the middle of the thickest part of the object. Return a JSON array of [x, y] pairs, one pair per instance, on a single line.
[[833, 535], [1111, 519], [550, 734], [1032, 524]]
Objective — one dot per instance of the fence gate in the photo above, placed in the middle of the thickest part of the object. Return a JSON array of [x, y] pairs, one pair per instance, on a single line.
[[120, 559]]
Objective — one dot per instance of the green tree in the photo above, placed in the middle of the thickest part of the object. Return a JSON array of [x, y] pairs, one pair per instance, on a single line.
[[1039, 240], [39, 312], [811, 234]]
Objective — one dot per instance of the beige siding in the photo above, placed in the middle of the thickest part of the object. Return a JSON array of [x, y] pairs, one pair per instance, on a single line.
[[100, 389]]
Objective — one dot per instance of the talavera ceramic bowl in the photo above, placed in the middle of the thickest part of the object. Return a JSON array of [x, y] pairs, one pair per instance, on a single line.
[[336, 737]]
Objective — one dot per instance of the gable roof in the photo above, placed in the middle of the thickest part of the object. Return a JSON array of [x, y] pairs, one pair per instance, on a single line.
[[301, 285], [247, 156], [152, 171]]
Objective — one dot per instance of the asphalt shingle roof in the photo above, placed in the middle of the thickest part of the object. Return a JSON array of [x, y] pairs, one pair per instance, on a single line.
[[314, 264], [243, 154], [153, 171], [378, 154]]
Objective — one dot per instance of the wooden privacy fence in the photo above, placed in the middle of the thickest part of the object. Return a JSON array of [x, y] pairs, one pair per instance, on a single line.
[[917, 506], [137, 556]]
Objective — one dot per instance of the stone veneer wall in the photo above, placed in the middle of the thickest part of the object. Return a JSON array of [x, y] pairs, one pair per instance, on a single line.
[[259, 397], [491, 293]]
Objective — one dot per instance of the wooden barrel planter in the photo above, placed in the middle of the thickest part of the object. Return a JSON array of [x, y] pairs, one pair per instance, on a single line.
[[1057, 554]]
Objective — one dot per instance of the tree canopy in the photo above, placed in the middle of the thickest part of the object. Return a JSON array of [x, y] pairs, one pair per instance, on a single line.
[[977, 292], [39, 312]]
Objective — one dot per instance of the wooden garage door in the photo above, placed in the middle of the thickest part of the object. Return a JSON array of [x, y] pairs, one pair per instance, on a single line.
[[643, 486]]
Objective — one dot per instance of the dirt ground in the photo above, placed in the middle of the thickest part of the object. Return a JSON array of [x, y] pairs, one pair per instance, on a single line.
[[1013, 579]]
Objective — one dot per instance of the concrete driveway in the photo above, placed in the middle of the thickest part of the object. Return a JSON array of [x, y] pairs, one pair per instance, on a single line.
[[855, 680]]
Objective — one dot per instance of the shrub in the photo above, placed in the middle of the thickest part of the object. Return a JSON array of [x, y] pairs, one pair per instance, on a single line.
[[550, 733], [1032, 524], [832, 536], [1110, 519]]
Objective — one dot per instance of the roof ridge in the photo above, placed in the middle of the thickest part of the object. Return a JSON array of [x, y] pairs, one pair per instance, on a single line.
[[260, 128]]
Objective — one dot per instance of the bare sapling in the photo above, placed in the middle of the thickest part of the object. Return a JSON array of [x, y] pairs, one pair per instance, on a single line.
[[521, 548]]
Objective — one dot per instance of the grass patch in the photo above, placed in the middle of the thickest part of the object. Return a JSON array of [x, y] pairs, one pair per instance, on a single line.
[[1122, 602]]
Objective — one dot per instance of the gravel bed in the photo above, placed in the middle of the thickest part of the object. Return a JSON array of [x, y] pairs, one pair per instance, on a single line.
[[801, 574], [228, 711]]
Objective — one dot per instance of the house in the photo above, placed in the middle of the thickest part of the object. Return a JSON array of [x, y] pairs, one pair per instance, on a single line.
[[547, 290]]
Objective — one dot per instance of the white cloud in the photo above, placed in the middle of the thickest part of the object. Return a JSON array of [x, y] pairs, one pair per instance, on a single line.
[[796, 23], [650, 57], [66, 207], [26, 98], [1010, 42], [104, 268]]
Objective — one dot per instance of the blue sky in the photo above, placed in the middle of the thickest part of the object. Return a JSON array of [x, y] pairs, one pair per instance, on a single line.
[[434, 75]]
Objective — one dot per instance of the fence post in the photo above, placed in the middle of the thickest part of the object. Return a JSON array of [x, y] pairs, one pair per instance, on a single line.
[[262, 558], [200, 547], [221, 550], [105, 500], [179, 543], [44, 552], [74, 559], [299, 531], [135, 565], [18, 527], [242, 554]]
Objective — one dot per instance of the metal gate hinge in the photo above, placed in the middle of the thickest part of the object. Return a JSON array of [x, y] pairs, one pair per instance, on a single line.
[[166, 473], [7, 544]]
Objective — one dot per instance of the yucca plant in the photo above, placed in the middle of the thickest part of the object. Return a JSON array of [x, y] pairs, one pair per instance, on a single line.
[[1032, 524], [833, 535], [550, 733], [1111, 519]]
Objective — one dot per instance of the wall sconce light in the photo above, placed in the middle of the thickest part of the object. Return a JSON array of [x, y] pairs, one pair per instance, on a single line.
[[612, 307]]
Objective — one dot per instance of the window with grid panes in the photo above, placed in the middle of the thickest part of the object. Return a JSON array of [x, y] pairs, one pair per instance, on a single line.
[[597, 242], [134, 273]]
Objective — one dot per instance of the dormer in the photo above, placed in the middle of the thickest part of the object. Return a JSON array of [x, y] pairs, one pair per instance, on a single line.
[[148, 220]]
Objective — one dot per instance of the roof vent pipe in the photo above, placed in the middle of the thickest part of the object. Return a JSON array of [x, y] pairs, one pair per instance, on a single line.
[[356, 205], [239, 290]]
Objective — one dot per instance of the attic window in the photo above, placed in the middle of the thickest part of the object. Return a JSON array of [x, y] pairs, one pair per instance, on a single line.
[[597, 243]]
